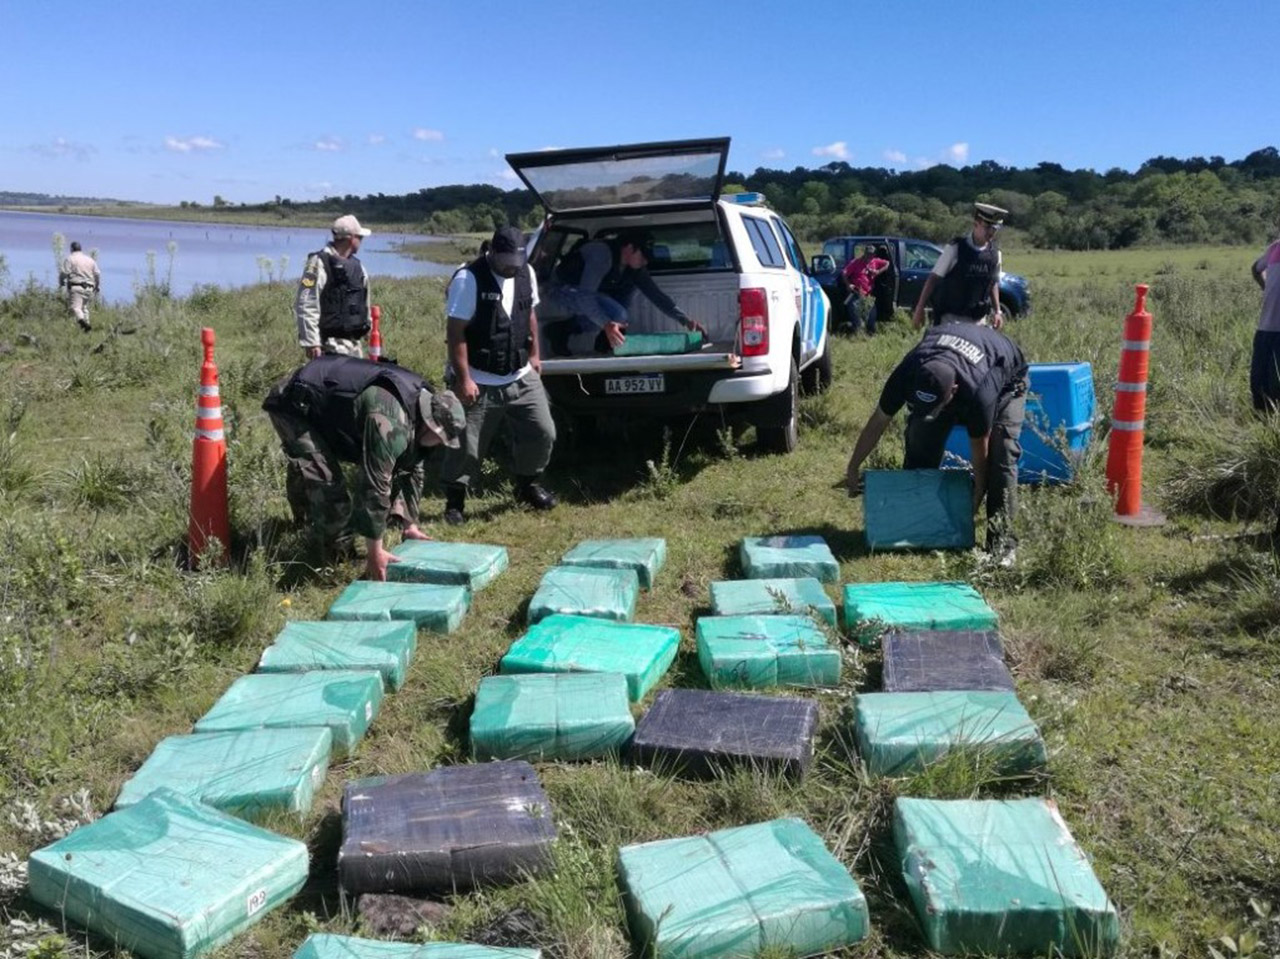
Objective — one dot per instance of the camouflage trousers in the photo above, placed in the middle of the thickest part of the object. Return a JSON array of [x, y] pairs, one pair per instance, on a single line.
[[343, 347], [314, 483]]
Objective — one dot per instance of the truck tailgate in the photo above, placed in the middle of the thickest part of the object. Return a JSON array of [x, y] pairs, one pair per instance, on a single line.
[[704, 360]]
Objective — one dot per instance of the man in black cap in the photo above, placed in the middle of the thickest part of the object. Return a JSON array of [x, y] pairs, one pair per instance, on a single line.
[[968, 374], [379, 416], [495, 367], [595, 285], [966, 277]]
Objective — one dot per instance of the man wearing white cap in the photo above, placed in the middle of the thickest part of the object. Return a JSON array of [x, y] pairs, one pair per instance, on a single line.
[[967, 275], [332, 305]]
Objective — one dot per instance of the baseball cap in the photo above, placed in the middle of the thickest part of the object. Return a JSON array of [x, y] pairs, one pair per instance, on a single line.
[[507, 247], [640, 239], [349, 226], [931, 389], [442, 414], [988, 213]]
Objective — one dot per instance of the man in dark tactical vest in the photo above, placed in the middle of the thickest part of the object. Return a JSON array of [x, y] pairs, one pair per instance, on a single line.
[[962, 373], [332, 304], [379, 416], [964, 286], [495, 367]]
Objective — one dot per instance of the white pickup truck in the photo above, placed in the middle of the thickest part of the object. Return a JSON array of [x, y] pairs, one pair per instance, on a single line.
[[729, 263]]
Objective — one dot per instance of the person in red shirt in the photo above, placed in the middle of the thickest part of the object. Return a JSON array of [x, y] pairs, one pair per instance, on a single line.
[[856, 278]]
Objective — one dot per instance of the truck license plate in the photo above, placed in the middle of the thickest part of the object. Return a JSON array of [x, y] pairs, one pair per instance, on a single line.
[[645, 383]]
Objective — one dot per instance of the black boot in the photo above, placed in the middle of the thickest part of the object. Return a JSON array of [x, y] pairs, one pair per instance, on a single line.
[[531, 493], [455, 503]]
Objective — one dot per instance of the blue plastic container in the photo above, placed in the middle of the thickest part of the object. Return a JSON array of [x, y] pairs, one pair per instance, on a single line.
[[1061, 400]]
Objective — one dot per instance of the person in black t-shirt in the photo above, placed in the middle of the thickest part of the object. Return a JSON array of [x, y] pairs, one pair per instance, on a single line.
[[959, 373]]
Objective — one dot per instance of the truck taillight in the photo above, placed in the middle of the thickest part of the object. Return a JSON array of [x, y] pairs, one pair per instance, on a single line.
[[753, 312]]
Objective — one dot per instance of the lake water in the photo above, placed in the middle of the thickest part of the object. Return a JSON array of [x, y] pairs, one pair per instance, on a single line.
[[216, 253]]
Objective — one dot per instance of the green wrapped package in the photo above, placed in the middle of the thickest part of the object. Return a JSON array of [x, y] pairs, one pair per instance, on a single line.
[[249, 774], [872, 608], [659, 344], [304, 647], [584, 591], [473, 565], [167, 878], [744, 597], [1000, 877], [329, 946], [738, 892], [757, 652], [343, 700], [901, 733], [429, 605], [788, 557], [918, 509], [645, 555], [550, 716], [572, 644]]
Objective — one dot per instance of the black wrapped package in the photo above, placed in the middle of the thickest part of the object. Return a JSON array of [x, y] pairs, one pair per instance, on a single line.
[[695, 732], [453, 828], [928, 660]]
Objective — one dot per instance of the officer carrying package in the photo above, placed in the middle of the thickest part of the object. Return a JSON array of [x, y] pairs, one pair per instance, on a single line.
[[323, 392], [344, 301], [966, 289], [497, 341]]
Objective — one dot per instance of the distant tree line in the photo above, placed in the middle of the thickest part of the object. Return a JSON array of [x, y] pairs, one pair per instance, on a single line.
[[1167, 200]]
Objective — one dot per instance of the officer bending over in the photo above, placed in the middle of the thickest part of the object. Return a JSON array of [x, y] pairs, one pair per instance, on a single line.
[[968, 374], [379, 416]]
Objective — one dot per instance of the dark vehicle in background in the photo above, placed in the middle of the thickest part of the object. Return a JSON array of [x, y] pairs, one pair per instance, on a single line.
[[913, 260]]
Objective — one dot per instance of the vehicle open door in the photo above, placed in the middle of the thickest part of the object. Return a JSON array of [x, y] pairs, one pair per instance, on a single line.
[[677, 171]]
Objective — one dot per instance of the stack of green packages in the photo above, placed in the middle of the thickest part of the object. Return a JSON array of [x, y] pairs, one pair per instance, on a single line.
[[167, 878], [303, 647], [1001, 877], [431, 606], [772, 886], [745, 597], [644, 555], [328, 946], [872, 608], [585, 591], [551, 716], [473, 565], [757, 652], [570, 644], [788, 557]]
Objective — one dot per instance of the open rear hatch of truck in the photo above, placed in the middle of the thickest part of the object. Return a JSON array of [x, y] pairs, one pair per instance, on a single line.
[[676, 171]]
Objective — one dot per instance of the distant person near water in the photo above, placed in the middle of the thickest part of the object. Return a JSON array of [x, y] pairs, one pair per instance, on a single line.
[[967, 275], [332, 305], [1264, 372], [82, 280]]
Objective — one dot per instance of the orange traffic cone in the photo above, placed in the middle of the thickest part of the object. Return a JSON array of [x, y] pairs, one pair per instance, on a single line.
[[209, 518], [375, 335], [1128, 420]]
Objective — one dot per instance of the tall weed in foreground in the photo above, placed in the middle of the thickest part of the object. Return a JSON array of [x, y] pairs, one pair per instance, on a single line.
[[1232, 472], [1073, 542]]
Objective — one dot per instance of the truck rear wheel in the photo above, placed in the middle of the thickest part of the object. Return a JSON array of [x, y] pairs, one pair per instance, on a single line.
[[784, 409]]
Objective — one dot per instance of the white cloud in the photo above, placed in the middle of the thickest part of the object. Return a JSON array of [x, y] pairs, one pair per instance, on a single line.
[[493, 152], [508, 175], [957, 153], [60, 147], [895, 157], [377, 139], [777, 153], [328, 145], [432, 136], [191, 144], [837, 151]]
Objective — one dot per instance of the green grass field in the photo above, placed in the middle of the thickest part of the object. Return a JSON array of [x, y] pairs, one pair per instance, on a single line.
[[1149, 658]]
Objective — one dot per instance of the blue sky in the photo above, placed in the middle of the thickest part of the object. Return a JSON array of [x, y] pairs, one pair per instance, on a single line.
[[176, 101]]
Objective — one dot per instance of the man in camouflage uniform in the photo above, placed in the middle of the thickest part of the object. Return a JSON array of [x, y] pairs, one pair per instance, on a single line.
[[379, 416], [332, 304], [82, 279]]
